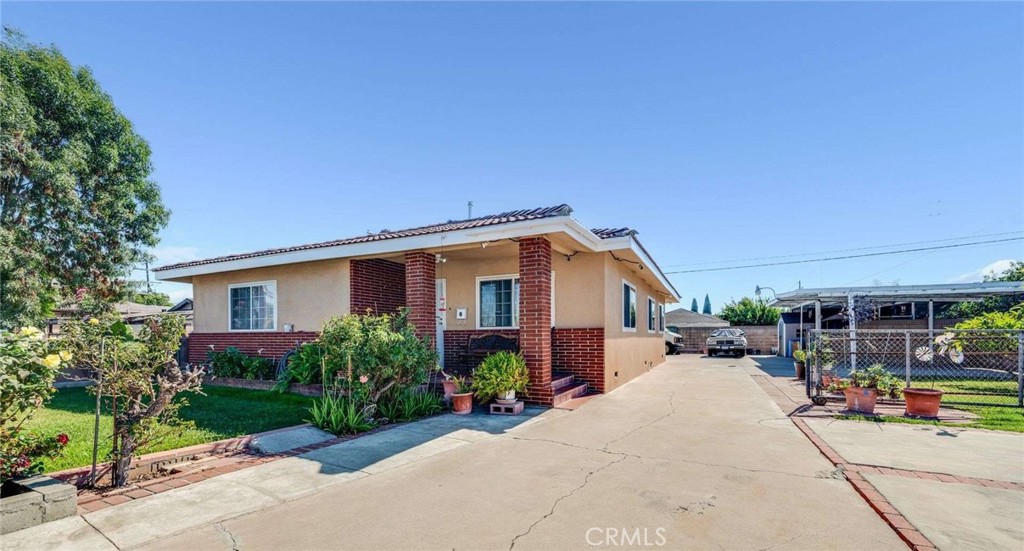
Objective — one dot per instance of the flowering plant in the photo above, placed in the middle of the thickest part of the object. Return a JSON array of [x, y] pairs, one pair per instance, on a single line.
[[28, 365]]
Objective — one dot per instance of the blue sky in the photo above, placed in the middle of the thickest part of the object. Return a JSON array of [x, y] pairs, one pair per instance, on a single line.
[[719, 131]]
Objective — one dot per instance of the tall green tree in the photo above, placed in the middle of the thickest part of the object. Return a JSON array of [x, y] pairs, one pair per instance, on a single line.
[[693, 305], [77, 205], [707, 305], [991, 304], [749, 311]]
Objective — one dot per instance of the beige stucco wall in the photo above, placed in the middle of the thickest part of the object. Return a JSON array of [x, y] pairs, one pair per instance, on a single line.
[[627, 354], [579, 298], [307, 294]]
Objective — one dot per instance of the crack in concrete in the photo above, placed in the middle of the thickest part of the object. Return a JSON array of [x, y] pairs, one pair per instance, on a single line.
[[234, 543], [100, 532], [781, 543], [672, 410], [554, 505]]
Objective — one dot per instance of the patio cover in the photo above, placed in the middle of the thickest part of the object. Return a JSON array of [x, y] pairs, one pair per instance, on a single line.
[[945, 292]]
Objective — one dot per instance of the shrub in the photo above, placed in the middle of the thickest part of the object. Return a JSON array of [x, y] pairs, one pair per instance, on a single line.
[[28, 366], [750, 312], [305, 367], [800, 356], [408, 405], [340, 415], [877, 377], [499, 373], [232, 363]]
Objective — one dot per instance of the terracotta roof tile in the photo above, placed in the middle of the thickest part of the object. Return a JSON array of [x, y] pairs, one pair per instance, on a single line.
[[451, 225]]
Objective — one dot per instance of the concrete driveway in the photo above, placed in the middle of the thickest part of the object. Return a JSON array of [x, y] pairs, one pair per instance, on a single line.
[[691, 455]]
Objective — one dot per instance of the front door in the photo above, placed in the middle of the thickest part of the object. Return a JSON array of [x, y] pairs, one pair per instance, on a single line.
[[441, 313]]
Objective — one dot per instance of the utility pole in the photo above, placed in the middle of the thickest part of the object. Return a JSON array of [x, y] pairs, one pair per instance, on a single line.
[[470, 205]]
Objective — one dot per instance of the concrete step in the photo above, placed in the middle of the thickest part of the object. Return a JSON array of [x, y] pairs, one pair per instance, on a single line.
[[561, 380], [567, 393], [577, 402]]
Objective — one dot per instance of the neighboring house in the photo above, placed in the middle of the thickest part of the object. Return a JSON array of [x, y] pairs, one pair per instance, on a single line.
[[683, 318], [586, 303], [131, 313]]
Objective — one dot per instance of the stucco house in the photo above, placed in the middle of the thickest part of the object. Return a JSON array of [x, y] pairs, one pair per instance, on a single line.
[[585, 307]]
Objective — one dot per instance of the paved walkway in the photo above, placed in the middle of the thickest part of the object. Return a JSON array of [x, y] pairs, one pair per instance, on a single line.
[[691, 455]]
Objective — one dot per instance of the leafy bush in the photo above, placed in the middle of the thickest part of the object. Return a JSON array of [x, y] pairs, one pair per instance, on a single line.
[[499, 373], [340, 415], [305, 367], [382, 349], [800, 356], [750, 312], [28, 366], [408, 405], [232, 363], [877, 377]]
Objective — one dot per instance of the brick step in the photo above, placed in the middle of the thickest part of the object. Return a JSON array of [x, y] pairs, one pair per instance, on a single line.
[[567, 393], [561, 380], [577, 402]]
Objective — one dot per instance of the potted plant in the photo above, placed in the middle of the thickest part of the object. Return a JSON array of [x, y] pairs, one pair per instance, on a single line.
[[462, 396], [863, 387], [925, 402], [448, 382], [800, 363], [500, 376]]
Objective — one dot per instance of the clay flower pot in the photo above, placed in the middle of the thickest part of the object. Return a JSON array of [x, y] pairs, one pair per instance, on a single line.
[[449, 388], [922, 402], [462, 403], [800, 369], [861, 400]]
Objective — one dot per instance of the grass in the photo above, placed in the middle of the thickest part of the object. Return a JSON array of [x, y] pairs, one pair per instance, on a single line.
[[989, 417], [220, 413], [974, 390]]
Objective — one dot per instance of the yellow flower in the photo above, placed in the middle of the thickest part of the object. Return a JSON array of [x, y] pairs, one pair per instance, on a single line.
[[29, 332], [94, 321], [51, 361], [65, 355]]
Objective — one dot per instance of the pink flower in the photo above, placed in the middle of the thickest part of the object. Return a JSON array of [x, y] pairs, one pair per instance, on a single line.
[[363, 379], [62, 439]]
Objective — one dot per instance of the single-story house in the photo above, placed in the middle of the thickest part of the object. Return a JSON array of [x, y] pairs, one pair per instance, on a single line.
[[583, 305]]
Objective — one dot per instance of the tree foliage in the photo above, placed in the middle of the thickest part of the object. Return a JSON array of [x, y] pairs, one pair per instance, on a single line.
[[750, 311], [707, 305], [153, 299], [693, 305], [77, 206], [991, 304]]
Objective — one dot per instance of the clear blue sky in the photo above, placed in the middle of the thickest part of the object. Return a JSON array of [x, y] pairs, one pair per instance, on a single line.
[[720, 132]]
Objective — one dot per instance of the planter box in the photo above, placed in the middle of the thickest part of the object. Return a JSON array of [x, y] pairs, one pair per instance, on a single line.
[[253, 384], [39, 499]]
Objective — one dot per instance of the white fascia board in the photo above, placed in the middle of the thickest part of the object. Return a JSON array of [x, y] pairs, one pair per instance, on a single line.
[[399, 244]]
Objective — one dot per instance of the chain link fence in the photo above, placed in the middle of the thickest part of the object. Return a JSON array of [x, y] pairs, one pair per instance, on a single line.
[[971, 367]]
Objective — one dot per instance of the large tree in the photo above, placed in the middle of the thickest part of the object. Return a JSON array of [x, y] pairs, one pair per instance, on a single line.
[[77, 206], [991, 304], [693, 305], [707, 305], [749, 311]]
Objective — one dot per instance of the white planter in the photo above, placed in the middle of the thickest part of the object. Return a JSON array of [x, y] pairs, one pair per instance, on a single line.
[[508, 397]]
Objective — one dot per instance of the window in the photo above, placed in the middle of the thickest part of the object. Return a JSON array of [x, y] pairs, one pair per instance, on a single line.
[[498, 301], [252, 306], [651, 327], [661, 318], [628, 306]]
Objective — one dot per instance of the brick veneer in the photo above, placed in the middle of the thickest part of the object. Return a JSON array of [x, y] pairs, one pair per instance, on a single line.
[[535, 315], [273, 344], [421, 292], [579, 351], [378, 286], [455, 343]]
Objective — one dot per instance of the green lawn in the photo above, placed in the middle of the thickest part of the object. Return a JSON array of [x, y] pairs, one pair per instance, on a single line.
[[989, 417], [221, 413], [985, 391]]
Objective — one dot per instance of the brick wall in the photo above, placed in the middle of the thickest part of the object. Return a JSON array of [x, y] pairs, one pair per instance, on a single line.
[[378, 286], [535, 315], [579, 351], [421, 292], [274, 344], [455, 343]]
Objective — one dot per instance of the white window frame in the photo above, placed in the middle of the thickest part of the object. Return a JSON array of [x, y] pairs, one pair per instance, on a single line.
[[652, 320], [515, 306], [661, 318], [272, 282], [622, 306], [552, 297]]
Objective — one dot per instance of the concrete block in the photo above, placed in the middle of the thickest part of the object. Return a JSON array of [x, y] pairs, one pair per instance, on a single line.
[[44, 499]]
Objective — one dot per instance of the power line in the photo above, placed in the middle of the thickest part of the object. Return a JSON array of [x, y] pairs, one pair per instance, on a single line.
[[862, 255], [845, 250]]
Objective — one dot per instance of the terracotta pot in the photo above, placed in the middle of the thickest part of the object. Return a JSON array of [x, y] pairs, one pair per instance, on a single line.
[[462, 403], [861, 400], [801, 369], [449, 388], [922, 402], [826, 380]]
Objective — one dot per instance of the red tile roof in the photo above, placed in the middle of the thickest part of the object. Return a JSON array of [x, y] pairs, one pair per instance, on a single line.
[[451, 225]]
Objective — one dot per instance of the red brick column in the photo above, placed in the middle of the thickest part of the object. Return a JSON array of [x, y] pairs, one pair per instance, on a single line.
[[421, 291], [535, 315]]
